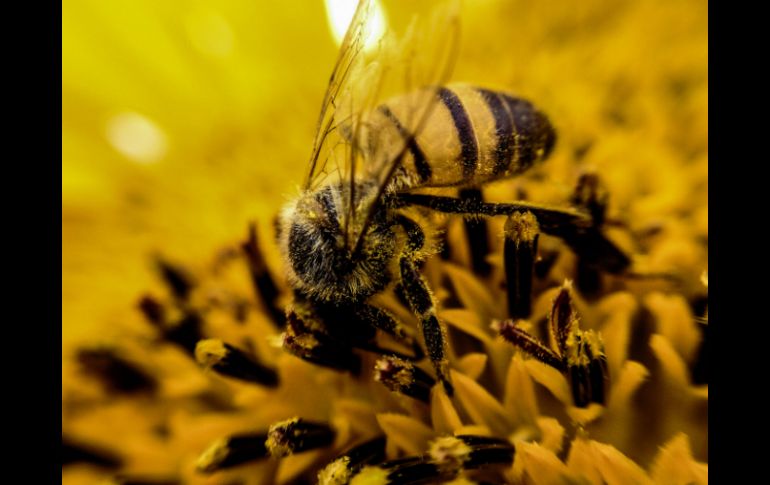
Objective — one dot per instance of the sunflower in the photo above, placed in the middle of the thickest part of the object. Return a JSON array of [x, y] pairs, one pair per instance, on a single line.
[[184, 121]]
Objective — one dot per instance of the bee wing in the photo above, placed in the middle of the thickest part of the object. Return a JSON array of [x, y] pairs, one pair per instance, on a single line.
[[324, 157], [413, 58]]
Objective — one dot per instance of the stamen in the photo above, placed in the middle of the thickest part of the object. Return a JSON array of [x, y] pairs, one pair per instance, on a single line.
[[229, 361], [588, 280], [178, 281], [520, 252], [186, 332], [73, 452], [591, 195], [297, 435], [403, 377], [587, 368], [447, 457], [152, 310], [232, 451], [510, 331], [264, 285], [562, 319], [487, 451], [341, 470], [450, 454], [317, 348], [116, 374], [598, 371]]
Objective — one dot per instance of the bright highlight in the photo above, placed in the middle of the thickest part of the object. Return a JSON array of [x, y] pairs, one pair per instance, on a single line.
[[340, 13]]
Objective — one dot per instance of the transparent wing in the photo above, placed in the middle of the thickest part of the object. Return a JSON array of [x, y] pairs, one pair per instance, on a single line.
[[349, 62], [413, 57]]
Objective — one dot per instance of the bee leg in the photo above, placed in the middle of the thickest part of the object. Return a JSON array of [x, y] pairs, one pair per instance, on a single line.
[[382, 320], [477, 233], [577, 228], [421, 301]]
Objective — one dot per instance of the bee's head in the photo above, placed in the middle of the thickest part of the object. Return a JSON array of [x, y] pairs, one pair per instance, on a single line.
[[318, 255]]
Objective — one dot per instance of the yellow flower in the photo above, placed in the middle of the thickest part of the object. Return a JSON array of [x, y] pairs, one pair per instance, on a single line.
[[182, 122]]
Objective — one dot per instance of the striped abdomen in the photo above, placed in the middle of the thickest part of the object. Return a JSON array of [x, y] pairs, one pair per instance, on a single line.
[[472, 136]]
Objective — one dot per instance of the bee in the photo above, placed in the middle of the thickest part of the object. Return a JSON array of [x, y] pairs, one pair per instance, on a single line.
[[357, 227]]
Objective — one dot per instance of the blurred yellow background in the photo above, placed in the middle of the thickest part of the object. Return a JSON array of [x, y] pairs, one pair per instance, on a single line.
[[184, 120]]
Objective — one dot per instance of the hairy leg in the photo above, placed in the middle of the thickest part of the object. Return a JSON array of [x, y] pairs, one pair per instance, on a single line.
[[576, 228], [421, 302]]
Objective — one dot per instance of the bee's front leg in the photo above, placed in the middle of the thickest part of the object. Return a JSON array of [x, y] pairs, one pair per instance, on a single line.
[[422, 303], [420, 299]]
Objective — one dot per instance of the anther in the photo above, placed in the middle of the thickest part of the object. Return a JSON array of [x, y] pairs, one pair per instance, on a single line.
[[445, 459], [562, 319], [232, 451], [185, 332], [176, 278], [403, 377], [591, 195], [116, 373], [264, 286], [520, 252], [345, 466], [229, 361], [76, 452], [317, 348], [152, 310], [511, 331], [296, 435]]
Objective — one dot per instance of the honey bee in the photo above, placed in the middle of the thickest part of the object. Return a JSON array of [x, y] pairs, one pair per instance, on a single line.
[[357, 227]]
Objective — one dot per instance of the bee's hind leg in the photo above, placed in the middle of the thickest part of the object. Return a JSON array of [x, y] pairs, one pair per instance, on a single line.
[[576, 227], [422, 304]]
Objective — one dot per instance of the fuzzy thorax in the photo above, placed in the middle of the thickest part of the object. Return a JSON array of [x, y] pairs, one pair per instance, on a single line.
[[319, 254]]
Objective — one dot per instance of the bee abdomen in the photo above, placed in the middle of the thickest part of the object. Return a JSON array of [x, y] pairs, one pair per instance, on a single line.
[[473, 136]]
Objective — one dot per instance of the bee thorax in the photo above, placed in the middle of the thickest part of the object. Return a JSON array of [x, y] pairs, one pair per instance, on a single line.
[[321, 263]]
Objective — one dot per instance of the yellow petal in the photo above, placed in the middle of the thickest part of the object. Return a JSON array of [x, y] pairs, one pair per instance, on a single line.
[[586, 415], [405, 433], [616, 331], [442, 413], [674, 464], [552, 434], [581, 461], [467, 321], [616, 468], [519, 400], [675, 321], [293, 465], [536, 464], [359, 415], [551, 379], [474, 295], [472, 364], [480, 405], [623, 388], [674, 368]]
